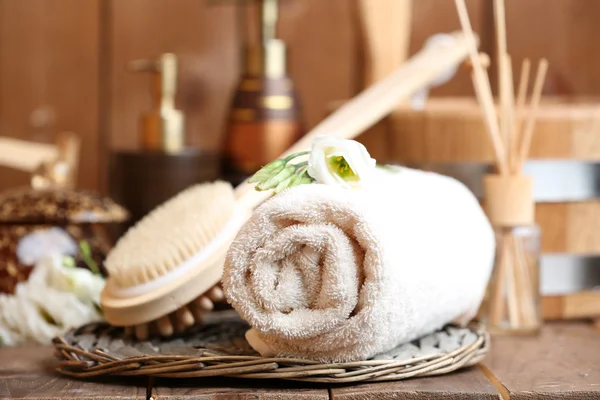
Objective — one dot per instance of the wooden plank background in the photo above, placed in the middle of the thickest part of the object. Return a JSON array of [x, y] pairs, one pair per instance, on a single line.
[[28, 373], [49, 77], [467, 384], [62, 62], [219, 388], [567, 353]]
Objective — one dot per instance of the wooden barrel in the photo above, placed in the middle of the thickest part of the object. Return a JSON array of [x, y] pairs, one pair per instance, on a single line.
[[449, 137]]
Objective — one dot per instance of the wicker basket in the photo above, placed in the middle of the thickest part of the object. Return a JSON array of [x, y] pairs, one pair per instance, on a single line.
[[219, 349]]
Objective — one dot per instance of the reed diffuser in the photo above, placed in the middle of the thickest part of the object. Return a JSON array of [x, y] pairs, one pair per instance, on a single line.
[[512, 303]]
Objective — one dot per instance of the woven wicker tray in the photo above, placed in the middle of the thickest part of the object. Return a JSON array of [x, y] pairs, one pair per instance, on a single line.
[[219, 349]]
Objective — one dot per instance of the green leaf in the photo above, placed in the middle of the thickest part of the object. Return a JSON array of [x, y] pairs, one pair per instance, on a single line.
[[86, 254]]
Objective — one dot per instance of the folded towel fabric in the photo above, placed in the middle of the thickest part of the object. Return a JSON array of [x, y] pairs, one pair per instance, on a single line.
[[336, 274]]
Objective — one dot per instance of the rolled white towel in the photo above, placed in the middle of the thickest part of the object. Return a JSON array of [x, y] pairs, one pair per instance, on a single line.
[[336, 274]]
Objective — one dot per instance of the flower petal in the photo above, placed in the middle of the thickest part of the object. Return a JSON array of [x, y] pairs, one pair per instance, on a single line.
[[324, 168]]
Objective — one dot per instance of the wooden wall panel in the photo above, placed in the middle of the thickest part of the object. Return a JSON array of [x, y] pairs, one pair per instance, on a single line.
[[50, 56], [326, 59], [203, 36], [324, 56], [49, 60], [206, 38], [322, 39], [569, 227], [428, 17], [565, 32]]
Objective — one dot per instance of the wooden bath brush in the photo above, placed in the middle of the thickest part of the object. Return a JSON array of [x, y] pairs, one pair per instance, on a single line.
[[163, 271]]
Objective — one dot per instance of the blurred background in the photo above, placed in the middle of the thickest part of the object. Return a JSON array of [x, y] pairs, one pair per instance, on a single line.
[[63, 67], [62, 62]]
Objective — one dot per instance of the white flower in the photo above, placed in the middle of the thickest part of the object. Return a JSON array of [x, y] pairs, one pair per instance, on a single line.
[[53, 300], [81, 282], [32, 248], [342, 162]]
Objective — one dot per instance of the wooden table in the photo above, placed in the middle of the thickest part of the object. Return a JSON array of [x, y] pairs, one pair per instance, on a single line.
[[562, 363]]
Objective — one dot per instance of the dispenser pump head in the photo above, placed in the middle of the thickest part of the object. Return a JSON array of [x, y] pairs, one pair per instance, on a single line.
[[161, 128], [265, 53]]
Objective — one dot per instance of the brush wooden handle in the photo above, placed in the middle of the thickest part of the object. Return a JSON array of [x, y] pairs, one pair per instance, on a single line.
[[24, 155], [375, 102]]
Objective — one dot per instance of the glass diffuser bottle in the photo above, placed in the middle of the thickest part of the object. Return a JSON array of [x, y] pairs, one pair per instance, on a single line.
[[512, 303]]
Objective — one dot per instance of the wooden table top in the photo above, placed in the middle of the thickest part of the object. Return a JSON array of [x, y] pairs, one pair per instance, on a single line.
[[563, 362]]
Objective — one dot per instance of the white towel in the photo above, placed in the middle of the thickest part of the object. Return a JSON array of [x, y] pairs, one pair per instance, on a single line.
[[336, 274]]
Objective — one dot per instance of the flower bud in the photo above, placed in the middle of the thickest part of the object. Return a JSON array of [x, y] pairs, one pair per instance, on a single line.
[[284, 184], [273, 181], [268, 171]]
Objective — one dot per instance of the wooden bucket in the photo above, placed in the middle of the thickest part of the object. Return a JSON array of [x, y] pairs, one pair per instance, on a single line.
[[449, 137]]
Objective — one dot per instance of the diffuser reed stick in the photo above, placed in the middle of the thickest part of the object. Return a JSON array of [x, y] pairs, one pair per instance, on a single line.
[[531, 117], [503, 79], [513, 295], [520, 106], [483, 89]]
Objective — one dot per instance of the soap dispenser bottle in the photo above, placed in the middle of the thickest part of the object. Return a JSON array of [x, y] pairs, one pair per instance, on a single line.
[[265, 115], [163, 165], [162, 129]]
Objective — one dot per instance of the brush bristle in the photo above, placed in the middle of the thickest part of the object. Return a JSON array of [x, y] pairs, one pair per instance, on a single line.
[[171, 234]]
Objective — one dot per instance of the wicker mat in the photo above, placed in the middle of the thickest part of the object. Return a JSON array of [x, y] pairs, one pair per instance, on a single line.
[[219, 349]]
